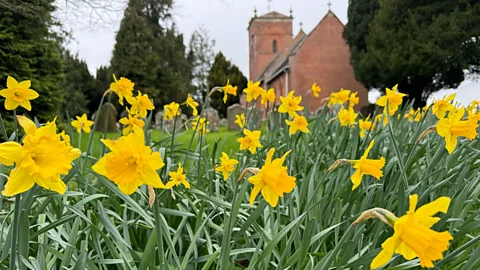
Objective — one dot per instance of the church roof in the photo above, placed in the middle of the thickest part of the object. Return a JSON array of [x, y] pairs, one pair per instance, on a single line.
[[273, 14], [280, 61], [281, 58]]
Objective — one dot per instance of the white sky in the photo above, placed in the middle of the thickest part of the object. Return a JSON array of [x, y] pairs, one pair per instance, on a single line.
[[226, 21]]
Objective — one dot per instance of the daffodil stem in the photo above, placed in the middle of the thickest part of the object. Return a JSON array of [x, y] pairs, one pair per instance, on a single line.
[[106, 123], [80, 139], [16, 217], [15, 124], [204, 105], [173, 134]]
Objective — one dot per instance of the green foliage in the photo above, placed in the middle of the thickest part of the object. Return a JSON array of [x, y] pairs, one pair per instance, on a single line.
[[29, 50], [201, 56], [223, 70], [151, 55], [423, 46], [78, 84], [103, 79]]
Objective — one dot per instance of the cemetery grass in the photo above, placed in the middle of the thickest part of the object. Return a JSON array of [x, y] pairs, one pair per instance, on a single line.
[[225, 139]]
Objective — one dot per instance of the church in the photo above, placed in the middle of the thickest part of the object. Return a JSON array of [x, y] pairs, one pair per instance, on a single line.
[[286, 62]]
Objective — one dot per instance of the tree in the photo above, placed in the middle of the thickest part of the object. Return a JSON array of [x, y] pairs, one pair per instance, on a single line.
[[424, 46], [103, 78], [223, 70], [29, 50], [78, 84], [202, 57], [151, 53]]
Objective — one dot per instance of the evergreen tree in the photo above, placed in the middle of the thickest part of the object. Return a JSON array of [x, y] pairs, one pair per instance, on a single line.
[[150, 53], [223, 70], [424, 46], [103, 78], [29, 50], [77, 85], [202, 57]]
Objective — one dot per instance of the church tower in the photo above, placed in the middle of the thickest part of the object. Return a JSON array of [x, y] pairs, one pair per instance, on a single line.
[[268, 34]]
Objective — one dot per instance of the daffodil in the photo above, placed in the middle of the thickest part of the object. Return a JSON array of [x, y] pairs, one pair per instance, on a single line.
[[452, 127], [82, 123], [367, 166], [316, 89], [42, 158], [192, 104], [444, 105], [268, 96], [131, 121], [393, 98], [290, 104], [228, 89], [171, 110], [347, 116], [251, 141], [353, 100], [413, 236], [272, 180], [177, 178], [365, 125], [18, 94], [298, 123], [130, 163], [140, 104], [339, 97], [413, 115], [123, 88], [240, 120], [474, 106], [253, 91], [227, 165], [202, 125], [382, 117]]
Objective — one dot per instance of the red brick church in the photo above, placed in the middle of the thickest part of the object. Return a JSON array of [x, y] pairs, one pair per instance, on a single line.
[[284, 62]]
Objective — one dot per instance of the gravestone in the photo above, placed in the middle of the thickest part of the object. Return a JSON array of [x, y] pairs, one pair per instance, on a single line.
[[213, 118], [223, 122], [231, 112], [109, 112], [168, 124]]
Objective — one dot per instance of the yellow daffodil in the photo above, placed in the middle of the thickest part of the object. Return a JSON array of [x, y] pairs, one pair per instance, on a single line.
[[130, 163], [272, 180], [444, 105], [268, 96], [474, 116], [18, 94], [347, 116], [381, 117], [353, 100], [140, 104], [192, 104], [123, 88], [251, 141], [413, 237], [413, 115], [393, 98], [82, 123], [474, 106], [228, 89], [202, 125], [253, 91], [177, 178], [339, 97], [367, 166], [226, 166], [290, 104], [365, 126], [43, 157], [452, 127], [240, 120], [298, 123], [316, 89], [171, 110], [131, 121]]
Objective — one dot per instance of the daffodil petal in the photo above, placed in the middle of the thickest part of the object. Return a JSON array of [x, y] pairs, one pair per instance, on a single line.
[[18, 182], [10, 152]]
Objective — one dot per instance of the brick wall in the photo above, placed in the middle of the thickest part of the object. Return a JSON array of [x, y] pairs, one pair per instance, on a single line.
[[324, 57]]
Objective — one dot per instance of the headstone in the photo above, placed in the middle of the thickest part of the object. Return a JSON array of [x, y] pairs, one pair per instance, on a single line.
[[213, 118], [109, 112], [158, 119], [231, 112], [168, 124], [223, 122]]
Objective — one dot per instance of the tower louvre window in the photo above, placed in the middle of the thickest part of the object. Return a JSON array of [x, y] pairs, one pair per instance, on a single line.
[[274, 46]]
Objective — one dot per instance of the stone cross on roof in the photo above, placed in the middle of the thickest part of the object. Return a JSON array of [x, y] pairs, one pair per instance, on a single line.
[[329, 4]]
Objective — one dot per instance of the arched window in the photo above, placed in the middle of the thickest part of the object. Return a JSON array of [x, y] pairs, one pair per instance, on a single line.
[[274, 46]]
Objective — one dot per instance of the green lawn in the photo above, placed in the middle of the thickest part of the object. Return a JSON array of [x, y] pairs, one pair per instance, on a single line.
[[226, 140]]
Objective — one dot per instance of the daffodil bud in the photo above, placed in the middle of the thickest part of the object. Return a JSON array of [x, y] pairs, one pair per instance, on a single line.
[[384, 215]]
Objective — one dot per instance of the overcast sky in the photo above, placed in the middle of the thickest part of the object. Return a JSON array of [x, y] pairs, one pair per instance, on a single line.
[[226, 21]]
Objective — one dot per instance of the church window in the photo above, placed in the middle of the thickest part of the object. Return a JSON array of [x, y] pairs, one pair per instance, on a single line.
[[274, 46]]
